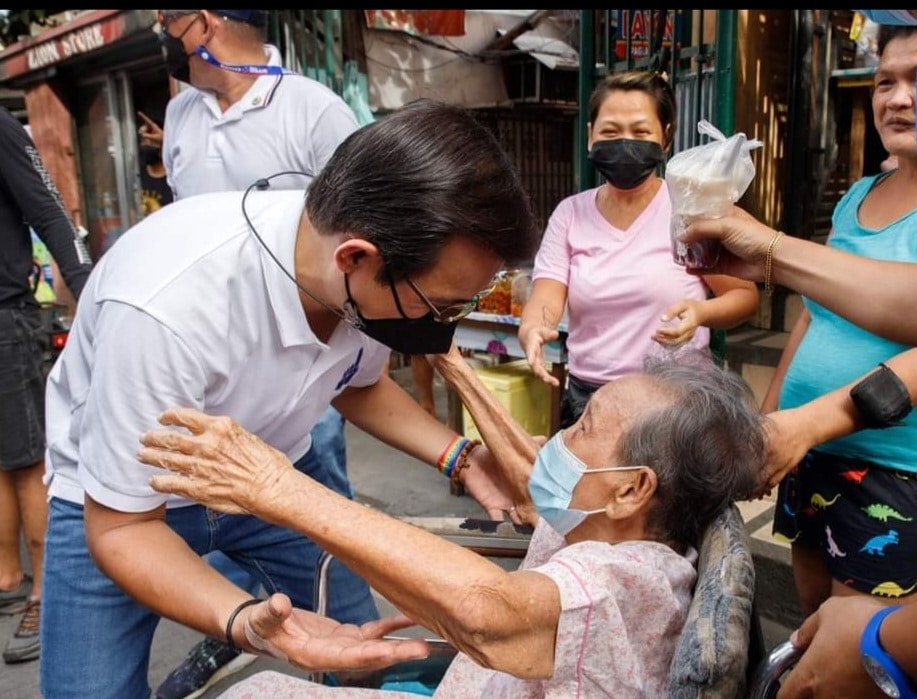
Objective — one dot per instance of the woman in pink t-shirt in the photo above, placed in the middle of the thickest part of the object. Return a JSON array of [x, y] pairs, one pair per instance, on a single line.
[[606, 254]]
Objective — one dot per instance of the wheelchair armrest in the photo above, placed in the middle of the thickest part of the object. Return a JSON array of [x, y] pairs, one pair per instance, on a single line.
[[766, 679], [486, 537]]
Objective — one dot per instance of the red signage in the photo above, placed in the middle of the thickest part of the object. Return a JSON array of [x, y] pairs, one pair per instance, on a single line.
[[640, 25], [86, 33]]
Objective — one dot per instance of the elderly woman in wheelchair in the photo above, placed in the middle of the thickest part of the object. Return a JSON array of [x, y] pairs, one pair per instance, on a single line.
[[621, 501]]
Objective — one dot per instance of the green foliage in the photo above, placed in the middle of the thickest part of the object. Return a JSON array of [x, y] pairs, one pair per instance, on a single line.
[[17, 23]]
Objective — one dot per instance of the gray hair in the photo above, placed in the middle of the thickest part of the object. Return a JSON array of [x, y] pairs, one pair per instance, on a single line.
[[706, 444]]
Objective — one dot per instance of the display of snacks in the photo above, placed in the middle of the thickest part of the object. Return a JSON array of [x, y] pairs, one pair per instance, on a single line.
[[522, 287], [499, 301]]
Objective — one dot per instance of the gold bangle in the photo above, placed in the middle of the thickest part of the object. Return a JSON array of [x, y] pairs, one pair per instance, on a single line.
[[769, 264], [455, 485]]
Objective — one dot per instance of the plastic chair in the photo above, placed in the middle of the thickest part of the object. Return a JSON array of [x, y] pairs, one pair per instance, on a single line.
[[720, 645]]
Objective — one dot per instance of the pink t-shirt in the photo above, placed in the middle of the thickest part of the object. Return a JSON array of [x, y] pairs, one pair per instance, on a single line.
[[618, 284], [623, 608]]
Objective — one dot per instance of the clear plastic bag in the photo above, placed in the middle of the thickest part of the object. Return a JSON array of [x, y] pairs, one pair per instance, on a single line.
[[704, 182]]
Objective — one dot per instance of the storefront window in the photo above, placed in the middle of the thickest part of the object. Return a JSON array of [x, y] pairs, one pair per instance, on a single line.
[[108, 159]]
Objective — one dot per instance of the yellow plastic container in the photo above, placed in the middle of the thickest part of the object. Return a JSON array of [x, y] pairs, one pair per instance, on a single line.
[[525, 396]]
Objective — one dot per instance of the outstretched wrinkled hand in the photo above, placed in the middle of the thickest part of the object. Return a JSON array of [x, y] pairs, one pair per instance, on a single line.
[[680, 323], [216, 462], [497, 492], [314, 642]]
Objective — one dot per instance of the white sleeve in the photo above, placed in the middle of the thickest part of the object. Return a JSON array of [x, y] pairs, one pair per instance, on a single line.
[[140, 368], [336, 122]]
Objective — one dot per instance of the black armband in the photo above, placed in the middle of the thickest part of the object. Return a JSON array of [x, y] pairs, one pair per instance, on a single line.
[[881, 399]]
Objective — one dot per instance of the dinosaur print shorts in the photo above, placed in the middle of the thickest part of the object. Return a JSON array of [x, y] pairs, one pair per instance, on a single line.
[[863, 518]]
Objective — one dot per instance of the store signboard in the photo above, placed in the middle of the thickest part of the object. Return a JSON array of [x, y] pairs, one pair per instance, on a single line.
[[56, 50], [87, 33], [641, 26]]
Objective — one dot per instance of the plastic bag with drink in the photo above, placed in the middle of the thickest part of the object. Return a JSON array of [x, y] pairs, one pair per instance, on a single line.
[[704, 182]]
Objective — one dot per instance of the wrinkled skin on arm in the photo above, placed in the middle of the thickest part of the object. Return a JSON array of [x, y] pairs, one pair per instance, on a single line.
[[506, 621]]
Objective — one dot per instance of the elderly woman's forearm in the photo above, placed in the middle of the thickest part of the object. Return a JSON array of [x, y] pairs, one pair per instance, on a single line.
[[473, 603], [512, 446]]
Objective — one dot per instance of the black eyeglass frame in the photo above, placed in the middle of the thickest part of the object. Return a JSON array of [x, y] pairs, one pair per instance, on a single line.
[[448, 315]]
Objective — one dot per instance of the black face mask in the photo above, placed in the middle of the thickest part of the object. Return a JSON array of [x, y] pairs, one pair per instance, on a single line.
[[626, 162], [407, 335], [174, 52]]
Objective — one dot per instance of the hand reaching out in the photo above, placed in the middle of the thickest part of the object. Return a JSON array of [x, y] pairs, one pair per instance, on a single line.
[[532, 340], [680, 322], [313, 642], [745, 241], [497, 492], [215, 462], [787, 444]]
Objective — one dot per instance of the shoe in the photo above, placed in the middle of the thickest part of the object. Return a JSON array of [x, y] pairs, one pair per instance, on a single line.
[[17, 594], [25, 644], [207, 663]]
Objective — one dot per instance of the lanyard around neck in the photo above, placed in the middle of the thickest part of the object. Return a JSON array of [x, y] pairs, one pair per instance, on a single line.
[[247, 68]]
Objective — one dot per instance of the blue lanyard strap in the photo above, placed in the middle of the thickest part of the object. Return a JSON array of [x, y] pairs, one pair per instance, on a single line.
[[248, 69]]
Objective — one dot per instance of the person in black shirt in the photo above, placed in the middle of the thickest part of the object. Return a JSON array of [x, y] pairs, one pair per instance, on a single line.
[[155, 191], [28, 197]]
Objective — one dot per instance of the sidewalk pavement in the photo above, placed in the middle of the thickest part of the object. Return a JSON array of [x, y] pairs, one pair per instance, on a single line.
[[393, 482]]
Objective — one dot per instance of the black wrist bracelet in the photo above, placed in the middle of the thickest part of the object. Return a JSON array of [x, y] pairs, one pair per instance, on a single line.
[[232, 619], [881, 399]]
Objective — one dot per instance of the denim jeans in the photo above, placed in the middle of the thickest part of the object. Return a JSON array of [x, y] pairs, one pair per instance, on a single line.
[[95, 640], [326, 462]]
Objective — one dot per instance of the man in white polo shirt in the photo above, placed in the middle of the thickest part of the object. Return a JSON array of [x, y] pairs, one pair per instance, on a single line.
[[243, 118], [264, 306]]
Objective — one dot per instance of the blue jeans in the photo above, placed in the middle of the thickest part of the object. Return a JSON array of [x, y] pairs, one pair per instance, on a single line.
[[326, 462], [95, 639]]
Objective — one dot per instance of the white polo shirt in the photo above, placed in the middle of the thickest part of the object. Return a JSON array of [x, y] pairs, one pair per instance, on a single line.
[[188, 309], [283, 122]]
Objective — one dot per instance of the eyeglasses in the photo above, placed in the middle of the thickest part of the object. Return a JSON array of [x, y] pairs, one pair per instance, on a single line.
[[453, 312], [445, 314]]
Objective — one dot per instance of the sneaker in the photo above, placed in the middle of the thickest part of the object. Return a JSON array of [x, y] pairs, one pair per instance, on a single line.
[[17, 594], [207, 663], [25, 644]]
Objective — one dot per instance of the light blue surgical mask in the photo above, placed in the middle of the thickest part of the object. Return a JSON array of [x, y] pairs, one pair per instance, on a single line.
[[901, 17], [554, 476]]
